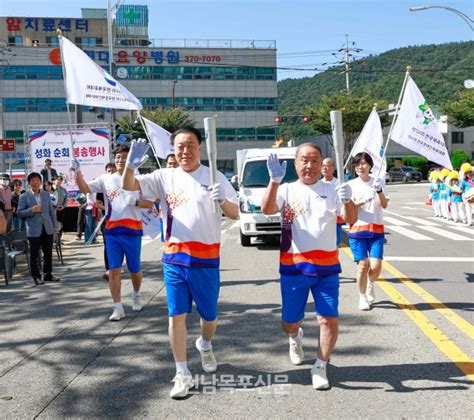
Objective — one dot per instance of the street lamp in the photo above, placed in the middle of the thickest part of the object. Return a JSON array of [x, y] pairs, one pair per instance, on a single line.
[[462, 15], [172, 93]]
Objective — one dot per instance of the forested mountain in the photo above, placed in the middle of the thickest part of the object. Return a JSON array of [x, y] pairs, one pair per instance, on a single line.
[[438, 70]]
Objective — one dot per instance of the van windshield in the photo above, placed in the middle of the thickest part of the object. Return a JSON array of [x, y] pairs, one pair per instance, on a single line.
[[256, 173]]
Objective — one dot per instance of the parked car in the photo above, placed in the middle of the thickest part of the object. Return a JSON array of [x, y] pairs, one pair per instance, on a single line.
[[404, 174]]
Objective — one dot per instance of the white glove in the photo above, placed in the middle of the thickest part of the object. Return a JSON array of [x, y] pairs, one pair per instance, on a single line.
[[377, 184], [75, 165], [130, 200], [276, 170], [344, 192], [217, 193], [137, 155]]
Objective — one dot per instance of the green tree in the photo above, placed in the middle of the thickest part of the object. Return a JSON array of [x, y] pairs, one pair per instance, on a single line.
[[458, 157], [419, 163], [460, 111], [170, 119], [355, 111]]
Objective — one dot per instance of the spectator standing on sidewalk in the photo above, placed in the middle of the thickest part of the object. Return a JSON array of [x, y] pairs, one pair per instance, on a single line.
[[6, 198], [36, 207], [48, 173], [18, 222], [61, 198]]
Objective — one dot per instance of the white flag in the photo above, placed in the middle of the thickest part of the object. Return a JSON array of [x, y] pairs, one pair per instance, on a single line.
[[370, 141], [160, 139], [87, 83], [416, 127]]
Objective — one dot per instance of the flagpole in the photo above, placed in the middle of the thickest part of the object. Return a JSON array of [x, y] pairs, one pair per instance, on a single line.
[[149, 139], [355, 144], [397, 110], [59, 32]]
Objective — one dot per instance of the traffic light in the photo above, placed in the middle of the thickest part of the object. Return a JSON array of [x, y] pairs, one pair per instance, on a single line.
[[278, 120], [306, 118]]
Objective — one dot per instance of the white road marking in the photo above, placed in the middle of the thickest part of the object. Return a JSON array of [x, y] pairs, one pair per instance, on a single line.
[[411, 218], [235, 225], [464, 229], [395, 221], [421, 221], [418, 209], [440, 219], [430, 259], [409, 233], [443, 232]]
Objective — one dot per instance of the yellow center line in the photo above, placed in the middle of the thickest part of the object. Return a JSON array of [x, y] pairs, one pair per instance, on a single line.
[[444, 344], [464, 326]]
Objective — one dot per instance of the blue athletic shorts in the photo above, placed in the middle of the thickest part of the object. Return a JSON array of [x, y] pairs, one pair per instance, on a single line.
[[185, 284], [119, 245], [366, 248], [295, 291]]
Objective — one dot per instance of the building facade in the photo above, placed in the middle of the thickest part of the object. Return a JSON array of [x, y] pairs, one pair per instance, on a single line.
[[235, 80]]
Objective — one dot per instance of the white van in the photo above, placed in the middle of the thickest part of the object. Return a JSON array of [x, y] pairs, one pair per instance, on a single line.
[[253, 181]]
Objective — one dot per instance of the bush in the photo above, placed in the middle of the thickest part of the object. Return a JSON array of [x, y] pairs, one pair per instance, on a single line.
[[458, 157], [419, 163]]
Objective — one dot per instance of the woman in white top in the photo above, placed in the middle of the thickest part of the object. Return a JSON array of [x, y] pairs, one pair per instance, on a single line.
[[366, 236]]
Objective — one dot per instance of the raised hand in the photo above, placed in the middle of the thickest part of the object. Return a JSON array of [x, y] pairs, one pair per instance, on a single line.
[[276, 170], [344, 192], [137, 155], [377, 184], [75, 165], [217, 193]]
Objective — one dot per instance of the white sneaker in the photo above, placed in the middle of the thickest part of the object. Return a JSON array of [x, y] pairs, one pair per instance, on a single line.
[[208, 361], [117, 315], [370, 291], [137, 303], [319, 377], [296, 349], [364, 303], [183, 382]]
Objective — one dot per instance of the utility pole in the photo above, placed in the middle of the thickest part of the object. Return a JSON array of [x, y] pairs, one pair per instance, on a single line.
[[346, 63], [347, 51]]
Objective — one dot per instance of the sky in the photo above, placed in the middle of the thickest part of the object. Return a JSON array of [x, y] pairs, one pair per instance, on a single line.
[[307, 32]]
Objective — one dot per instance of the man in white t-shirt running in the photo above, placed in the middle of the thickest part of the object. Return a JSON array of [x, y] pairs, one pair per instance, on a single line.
[[308, 252], [192, 243], [123, 228]]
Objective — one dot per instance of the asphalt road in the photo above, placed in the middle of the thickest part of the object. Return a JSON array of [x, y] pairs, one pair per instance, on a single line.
[[409, 357]]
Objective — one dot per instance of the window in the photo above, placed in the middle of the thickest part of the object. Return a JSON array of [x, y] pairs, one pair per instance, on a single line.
[[15, 40], [88, 41], [52, 41], [457, 137]]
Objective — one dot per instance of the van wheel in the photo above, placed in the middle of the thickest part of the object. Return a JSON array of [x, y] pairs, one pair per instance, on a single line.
[[244, 239]]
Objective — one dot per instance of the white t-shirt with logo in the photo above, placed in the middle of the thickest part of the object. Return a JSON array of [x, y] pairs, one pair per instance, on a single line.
[[308, 217], [192, 229], [369, 224], [120, 217]]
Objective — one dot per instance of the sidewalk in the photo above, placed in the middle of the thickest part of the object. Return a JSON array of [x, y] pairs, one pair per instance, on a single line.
[[51, 333]]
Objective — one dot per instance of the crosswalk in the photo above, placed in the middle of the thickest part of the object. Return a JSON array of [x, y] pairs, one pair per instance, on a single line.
[[420, 228], [417, 228]]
